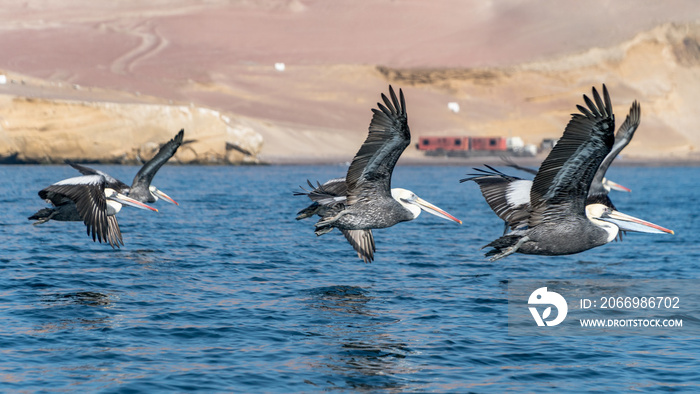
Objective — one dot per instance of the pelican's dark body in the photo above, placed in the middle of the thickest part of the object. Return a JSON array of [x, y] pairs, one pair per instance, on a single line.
[[377, 213], [570, 236], [65, 212], [330, 200]]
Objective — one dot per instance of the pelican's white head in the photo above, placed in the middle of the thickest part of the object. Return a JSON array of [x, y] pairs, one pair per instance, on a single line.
[[594, 212], [415, 204], [404, 197], [606, 217], [113, 206], [157, 193]]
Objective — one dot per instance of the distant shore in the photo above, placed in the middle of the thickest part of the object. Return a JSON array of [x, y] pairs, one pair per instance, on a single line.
[[108, 83], [533, 162], [413, 160]]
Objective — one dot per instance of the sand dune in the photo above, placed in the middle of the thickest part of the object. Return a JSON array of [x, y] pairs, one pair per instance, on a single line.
[[516, 67]]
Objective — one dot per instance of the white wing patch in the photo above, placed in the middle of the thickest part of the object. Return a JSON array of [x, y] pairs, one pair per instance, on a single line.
[[81, 180], [518, 192]]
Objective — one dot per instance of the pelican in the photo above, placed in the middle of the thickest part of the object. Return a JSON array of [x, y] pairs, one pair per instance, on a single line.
[[141, 188], [364, 199], [509, 196], [85, 198], [553, 217], [601, 186]]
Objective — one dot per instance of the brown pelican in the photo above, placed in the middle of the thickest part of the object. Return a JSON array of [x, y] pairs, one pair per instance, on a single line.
[[364, 199], [509, 196], [141, 188], [551, 215], [85, 198]]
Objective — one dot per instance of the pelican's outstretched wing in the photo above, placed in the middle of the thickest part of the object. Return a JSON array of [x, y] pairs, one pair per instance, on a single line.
[[508, 196], [330, 193], [622, 138], [510, 163], [561, 185], [324, 197], [142, 180], [110, 181], [114, 234], [369, 174], [363, 243]]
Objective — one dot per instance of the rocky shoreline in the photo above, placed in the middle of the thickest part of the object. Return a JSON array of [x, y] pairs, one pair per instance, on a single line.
[[50, 131]]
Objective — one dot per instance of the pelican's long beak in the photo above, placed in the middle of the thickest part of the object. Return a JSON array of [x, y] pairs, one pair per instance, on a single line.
[[166, 197], [630, 223], [131, 202], [430, 208], [616, 186]]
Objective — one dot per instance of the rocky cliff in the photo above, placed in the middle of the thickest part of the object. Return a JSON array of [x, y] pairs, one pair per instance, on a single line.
[[39, 130], [320, 112]]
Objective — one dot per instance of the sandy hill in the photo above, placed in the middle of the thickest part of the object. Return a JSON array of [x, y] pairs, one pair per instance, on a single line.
[[106, 81], [659, 68]]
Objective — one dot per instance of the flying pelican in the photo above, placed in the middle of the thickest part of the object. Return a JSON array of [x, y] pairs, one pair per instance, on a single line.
[[509, 196], [601, 186], [364, 199], [556, 219], [141, 188], [85, 198]]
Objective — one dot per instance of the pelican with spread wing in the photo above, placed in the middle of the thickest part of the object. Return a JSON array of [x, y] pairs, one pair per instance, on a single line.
[[509, 196], [559, 212], [87, 199], [364, 199]]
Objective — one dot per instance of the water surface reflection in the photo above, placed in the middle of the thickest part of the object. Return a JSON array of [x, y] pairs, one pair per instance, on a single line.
[[356, 339]]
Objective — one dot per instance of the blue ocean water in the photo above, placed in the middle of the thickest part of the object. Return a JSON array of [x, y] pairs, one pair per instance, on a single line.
[[228, 292]]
